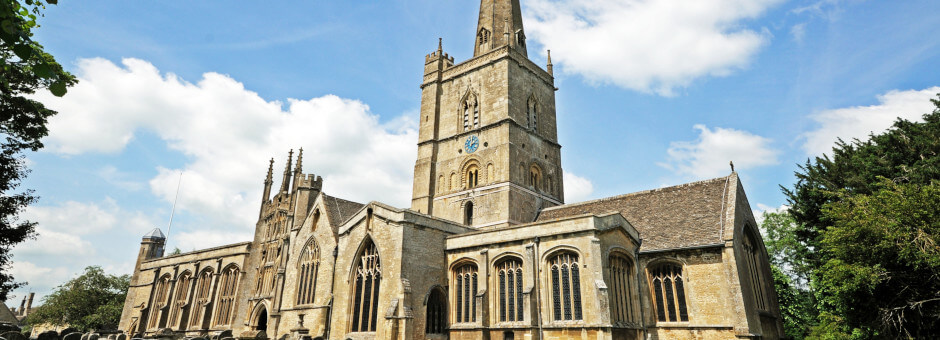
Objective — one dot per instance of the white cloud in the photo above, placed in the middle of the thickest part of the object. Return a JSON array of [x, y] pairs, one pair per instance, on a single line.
[[577, 188], [798, 31], [708, 156], [860, 121], [74, 218], [54, 243], [763, 208], [228, 133], [648, 45], [41, 279], [203, 239]]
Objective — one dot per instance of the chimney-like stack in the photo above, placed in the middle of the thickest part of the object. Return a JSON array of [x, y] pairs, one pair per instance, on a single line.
[[22, 307], [29, 304]]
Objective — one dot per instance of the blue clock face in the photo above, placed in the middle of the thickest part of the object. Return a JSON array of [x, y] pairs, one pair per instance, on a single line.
[[472, 144]]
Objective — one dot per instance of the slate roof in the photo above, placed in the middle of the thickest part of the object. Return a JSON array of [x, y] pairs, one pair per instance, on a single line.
[[681, 216], [340, 210], [155, 233]]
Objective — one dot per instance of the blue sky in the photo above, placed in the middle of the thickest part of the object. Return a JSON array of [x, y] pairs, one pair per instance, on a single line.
[[652, 93]]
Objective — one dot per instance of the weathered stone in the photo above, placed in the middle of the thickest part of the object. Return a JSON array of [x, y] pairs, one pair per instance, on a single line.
[[252, 335], [121, 336], [67, 331], [72, 336], [14, 335], [48, 335]]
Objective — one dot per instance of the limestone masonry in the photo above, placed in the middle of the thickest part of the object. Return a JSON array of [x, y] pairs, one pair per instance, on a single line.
[[488, 248]]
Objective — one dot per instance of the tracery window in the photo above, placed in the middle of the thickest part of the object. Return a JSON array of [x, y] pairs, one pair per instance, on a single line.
[[509, 286], [484, 37], [309, 264], [532, 115], [752, 257], [621, 288], [366, 297], [228, 284], [201, 298], [668, 289], [566, 286], [161, 296], [465, 310], [471, 113], [436, 322], [180, 299]]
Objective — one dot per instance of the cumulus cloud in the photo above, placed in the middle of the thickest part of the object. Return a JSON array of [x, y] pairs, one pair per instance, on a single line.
[[74, 217], [860, 121], [201, 239], [228, 133], [648, 45], [577, 188], [41, 279], [708, 156]]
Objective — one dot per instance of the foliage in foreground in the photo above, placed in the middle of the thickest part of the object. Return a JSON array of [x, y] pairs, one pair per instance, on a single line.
[[24, 69], [91, 301]]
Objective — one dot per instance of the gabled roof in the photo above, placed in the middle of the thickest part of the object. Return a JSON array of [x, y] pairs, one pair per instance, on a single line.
[[7, 316], [681, 216], [340, 210], [155, 233]]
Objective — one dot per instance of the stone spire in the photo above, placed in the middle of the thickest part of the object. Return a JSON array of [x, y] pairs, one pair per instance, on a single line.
[[298, 170], [285, 183], [268, 181], [500, 24]]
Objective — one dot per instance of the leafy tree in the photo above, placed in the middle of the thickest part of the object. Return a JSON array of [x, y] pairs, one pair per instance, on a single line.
[[841, 206], [24, 69], [790, 273], [882, 275], [93, 300]]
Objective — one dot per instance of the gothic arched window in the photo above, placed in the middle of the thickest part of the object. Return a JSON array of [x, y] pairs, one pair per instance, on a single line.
[[201, 299], [509, 286], [471, 113], [441, 184], [752, 257], [436, 317], [228, 284], [621, 288], [308, 266], [535, 176], [668, 289], [566, 286], [465, 310], [366, 295], [180, 300], [161, 297]]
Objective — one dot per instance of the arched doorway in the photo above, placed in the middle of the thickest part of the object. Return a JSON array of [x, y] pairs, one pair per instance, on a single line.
[[261, 319]]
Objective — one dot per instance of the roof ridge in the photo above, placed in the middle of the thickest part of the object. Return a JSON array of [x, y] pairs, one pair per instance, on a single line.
[[637, 193]]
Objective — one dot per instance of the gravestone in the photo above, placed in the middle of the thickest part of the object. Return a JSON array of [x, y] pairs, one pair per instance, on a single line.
[[72, 336], [14, 335], [48, 335]]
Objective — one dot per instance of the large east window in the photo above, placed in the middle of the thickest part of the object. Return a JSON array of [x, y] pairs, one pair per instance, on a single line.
[[308, 266]]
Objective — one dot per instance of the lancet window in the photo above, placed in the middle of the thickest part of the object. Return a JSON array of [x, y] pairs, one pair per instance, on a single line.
[[366, 295], [465, 310], [180, 300], [532, 115], [468, 213], [566, 286], [668, 289], [161, 296], [621, 288], [473, 176], [201, 298], [228, 284], [509, 286], [309, 264], [535, 176]]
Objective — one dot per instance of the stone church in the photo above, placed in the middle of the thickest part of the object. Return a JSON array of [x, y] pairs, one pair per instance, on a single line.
[[488, 248]]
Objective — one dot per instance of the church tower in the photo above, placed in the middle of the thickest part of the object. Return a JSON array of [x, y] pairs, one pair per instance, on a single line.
[[488, 152]]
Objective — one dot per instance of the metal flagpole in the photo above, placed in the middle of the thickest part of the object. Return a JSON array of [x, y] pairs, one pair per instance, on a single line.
[[173, 212]]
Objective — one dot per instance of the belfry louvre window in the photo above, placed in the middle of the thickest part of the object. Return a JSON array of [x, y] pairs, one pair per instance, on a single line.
[[226, 302], [532, 115], [621, 288], [180, 299], [668, 289], [473, 176], [509, 285], [161, 296], [366, 297], [465, 310], [471, 114], [752, 258], [201, 299], [308, 267], [566, 287], [436, 322]]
